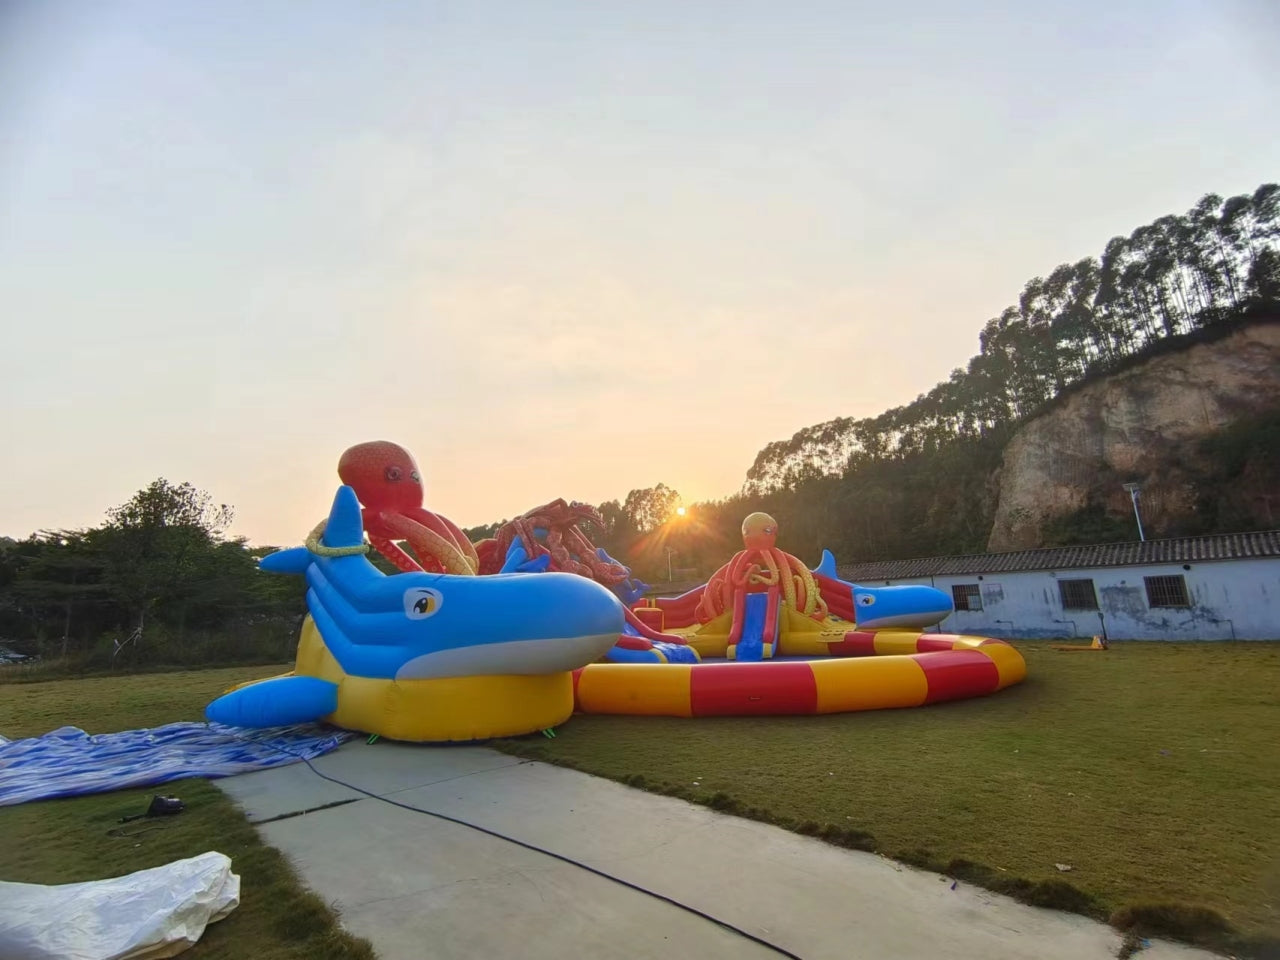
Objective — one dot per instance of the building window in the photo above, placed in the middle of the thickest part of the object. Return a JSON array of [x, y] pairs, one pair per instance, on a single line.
[[966, 596], [1167, 591], [1077, 595]]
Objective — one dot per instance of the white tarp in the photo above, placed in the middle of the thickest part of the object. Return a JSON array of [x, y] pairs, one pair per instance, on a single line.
[[143, 916]]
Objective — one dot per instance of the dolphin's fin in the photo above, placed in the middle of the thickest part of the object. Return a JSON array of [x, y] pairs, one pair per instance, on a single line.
[[277, 702], [345, 527], [828, 566], [293, 560]]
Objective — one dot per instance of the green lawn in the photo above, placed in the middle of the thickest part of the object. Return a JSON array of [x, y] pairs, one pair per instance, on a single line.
[[1152, 770], [62, 841]]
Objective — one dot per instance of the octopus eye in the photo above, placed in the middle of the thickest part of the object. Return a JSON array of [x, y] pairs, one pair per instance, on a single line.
[[770, 529], [422, 602], [415, 476], [392, 474]]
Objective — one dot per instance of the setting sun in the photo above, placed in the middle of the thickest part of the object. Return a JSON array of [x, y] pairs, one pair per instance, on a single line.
[[679, 511]]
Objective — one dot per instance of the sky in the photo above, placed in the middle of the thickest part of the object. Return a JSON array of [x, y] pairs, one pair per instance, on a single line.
[[554, 248]]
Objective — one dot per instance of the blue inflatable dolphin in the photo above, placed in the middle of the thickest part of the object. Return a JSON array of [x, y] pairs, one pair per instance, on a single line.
[[906, 605], [419, 647]]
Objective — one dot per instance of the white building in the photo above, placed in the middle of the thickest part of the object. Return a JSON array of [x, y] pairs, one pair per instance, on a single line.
[[1221, 587]]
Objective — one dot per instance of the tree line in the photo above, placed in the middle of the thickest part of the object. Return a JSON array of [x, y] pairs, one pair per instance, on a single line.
[[157, 581]]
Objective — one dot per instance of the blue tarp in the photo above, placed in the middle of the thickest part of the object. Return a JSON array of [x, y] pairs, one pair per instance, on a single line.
[[69, 762]]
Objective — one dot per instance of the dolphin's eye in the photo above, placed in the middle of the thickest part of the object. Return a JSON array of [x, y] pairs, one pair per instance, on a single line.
[[422, 602], [392, 474], [866, 599]]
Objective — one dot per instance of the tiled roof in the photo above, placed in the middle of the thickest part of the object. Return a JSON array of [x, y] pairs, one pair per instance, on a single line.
[[1222, 546]]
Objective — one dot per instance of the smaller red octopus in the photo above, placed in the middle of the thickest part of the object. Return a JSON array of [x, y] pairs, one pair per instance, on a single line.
[[570, 549], [387, 481], [759, 566]]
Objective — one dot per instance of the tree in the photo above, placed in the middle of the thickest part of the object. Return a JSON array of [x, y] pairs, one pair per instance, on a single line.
[[156, 544], [58, 583], [619, 531], [651, 507], [1264, 278]]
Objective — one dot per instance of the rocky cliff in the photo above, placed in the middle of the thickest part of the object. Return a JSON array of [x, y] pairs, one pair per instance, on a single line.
[[1147, 424]]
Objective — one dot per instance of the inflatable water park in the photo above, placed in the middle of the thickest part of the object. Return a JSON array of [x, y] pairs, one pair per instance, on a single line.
[[515, 634]]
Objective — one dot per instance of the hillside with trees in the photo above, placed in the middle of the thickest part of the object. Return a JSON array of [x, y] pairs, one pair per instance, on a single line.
[[1180, 276]]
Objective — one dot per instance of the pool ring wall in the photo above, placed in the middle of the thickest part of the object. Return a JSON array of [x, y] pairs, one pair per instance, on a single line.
[[872, 671]]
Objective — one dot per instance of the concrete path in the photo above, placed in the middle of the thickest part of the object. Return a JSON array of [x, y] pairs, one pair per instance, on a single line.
[[417, 886]]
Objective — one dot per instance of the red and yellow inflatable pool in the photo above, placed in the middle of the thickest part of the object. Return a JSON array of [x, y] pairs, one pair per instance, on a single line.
[[864, 671]]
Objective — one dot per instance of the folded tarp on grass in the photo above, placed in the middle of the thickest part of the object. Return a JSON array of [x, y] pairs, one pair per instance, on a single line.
[[69, 762], [143, 916]]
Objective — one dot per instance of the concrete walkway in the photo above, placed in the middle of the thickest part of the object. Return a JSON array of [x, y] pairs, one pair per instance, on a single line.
[[417, 886]]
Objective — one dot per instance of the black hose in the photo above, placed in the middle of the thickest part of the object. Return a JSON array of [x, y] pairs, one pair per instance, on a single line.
[[745, 934]]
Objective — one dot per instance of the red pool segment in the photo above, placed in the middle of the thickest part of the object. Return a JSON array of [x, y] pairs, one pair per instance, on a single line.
[[856, 643], [955, 674], [741, 689]]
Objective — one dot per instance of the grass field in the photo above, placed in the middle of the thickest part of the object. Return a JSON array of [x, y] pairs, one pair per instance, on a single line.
[[1152, 770], [63, 841]]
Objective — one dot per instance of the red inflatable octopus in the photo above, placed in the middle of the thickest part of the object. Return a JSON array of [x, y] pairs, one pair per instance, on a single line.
[[389, 485]]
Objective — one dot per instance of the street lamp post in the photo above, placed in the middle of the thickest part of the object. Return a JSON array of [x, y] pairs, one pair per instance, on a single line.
[[1134, 489], [675, 518]]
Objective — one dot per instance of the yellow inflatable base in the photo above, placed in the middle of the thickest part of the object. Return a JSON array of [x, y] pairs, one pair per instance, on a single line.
[[798, 635], [449, 708]]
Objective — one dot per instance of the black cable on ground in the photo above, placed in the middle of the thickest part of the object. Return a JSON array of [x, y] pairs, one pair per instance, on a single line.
[[725, 924]]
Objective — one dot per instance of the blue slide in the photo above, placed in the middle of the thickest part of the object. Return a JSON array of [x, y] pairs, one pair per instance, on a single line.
[[674, 652], [751, 642]]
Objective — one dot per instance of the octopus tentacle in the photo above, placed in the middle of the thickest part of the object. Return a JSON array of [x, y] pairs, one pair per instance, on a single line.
[[393, 552], [524, 530], [733, 576], [707, 608], [463, 542], [560, 554], [445, 530], [605, 571], [426, 541], [771, 562], [813, 602], [383, 540], [788, 585]]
